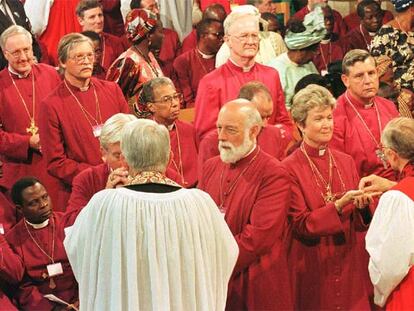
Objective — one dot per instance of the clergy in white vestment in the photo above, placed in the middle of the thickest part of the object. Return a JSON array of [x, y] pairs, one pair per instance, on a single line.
[[151, 245]]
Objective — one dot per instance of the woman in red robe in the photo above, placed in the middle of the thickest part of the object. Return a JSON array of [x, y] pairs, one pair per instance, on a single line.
[[325, 250]]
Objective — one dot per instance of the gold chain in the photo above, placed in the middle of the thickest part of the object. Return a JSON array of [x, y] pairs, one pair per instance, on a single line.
[[37, 244]]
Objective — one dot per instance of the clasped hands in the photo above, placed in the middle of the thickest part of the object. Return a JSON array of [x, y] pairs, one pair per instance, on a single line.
[[117, 178]]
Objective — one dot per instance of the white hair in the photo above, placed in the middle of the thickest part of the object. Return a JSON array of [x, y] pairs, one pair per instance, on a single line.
[[146, 145], [13, 31], [241, 12], [112, 129]]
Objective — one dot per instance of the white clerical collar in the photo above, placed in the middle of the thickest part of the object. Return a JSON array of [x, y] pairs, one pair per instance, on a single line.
[[38, 226], [20, 76], [325, 41], [170, 127], [372, 34], [245, 69], [205, 56]]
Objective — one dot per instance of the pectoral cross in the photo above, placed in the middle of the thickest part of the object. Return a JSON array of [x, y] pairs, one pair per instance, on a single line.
[[32, 129], [52, 284]]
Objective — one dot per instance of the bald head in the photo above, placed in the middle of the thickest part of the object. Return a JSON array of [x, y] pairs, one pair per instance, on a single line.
[[215, 11], [243, 112]]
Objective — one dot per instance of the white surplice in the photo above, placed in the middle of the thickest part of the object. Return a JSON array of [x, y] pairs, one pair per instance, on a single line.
[[132, 250]]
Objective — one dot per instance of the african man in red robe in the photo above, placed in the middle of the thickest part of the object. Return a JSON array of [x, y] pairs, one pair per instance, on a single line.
[[191, 66], [223, 84], [91, 18], [71, 117], [353, 21], [164, 102], [339, 25], [214, 11], [361, 115], [249, 187], [360, 37], [23, 86], [38, 240], [325, 254]]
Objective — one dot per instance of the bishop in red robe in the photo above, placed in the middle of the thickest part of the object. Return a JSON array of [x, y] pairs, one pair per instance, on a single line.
[[352, 20], [325, 256], [353, 135], [223, 84], [250, 188]]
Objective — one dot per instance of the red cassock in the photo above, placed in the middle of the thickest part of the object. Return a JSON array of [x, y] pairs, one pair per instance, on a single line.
[[352, 20], [112, 48], [223, 84], [35, 281], [352, 137], [8, 213], [113, 21], [328, 53], [184, 149], [18, 158], [170, 49], [189, 68], [11, 271], [62, 20], [339, 26], [357, 38], [326, 255], [189, 42], [271, 140], [256, 196], [66, 126]]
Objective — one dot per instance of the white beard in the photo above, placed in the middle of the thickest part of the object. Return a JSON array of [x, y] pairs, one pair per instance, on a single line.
[[233, 154]]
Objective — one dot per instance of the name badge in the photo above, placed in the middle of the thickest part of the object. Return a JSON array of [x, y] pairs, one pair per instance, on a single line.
[[97, 129], [54, 269], [1, 229]]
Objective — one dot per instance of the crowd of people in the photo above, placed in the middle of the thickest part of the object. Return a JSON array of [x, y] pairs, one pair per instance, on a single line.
[[243, 165]]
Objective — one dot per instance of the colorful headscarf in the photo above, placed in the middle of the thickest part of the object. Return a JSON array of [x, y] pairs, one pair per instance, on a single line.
[[401, 5], [314, 33], [138, 23]]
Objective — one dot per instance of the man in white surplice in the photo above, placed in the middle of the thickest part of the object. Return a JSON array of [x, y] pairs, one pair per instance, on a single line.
[[151, 245]]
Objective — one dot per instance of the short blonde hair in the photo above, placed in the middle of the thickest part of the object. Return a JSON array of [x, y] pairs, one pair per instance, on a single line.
[[308, 98], [68, 42], [13, 31], [112, 129], [398, 135]]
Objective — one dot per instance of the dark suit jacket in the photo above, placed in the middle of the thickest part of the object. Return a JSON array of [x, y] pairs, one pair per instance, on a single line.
[[19, 15]]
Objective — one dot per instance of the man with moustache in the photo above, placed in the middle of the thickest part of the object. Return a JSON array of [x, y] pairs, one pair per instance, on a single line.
[[23, 86], [361, 115], [192, 65], [72, 116], [223, 84], [247, 185], [91, 18]]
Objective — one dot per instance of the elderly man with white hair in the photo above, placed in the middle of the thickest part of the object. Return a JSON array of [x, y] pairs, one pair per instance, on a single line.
[[222, 84], [153, 244], [249, 187]]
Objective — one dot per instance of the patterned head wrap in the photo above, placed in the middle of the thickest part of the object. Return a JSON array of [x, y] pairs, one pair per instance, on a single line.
[[138, 23], [314, 33], [401, 5]]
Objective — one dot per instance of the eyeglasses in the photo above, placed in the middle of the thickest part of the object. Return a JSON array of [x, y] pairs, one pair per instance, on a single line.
[[245, 37], [16, 54], [216, 34], [168, 100], [80, 58]]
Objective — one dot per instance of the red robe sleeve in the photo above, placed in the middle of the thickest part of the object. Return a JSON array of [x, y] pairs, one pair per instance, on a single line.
[[183, 71], [11, 265], [207, 106], [280, 114], [267, 219], [30, 298], [13, 145], [59, 165]]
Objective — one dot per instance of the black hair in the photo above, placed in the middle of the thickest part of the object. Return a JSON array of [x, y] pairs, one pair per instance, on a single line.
[[135, 4], [19, 186], [312, 78], [363, 4], [92, 35], [203, 26]]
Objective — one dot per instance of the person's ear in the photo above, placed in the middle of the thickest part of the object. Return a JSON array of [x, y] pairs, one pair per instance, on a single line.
[[345, 80], [19, 209], [151, 107]]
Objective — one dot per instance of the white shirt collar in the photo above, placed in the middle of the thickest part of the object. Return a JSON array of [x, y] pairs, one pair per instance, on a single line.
[[20, 76], [245, 69], [38, 226]]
